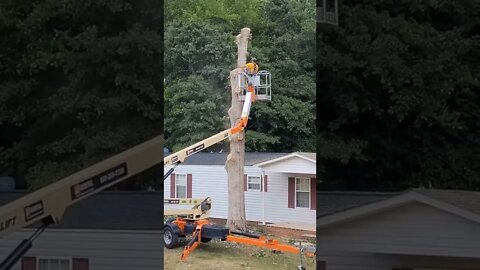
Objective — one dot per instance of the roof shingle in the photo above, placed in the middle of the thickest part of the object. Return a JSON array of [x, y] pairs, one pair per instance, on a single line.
[[467, 200], [331, 202], [251, 158]]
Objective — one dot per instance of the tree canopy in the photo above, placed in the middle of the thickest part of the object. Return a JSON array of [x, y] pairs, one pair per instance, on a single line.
[[398, 96], [200, 52], [81, 81]]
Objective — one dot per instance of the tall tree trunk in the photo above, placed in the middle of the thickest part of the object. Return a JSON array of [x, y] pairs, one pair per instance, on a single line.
[[236, 158]]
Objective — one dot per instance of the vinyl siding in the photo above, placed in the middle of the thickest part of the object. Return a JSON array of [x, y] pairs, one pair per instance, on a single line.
[[211, 181], [407, 236], [106, 250], [207, 181], [277, 198]]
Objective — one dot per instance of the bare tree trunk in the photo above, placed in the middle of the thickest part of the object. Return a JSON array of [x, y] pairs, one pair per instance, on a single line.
[[236, 158]]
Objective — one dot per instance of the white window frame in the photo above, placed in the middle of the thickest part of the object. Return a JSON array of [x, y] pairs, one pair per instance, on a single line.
[[309, 192], [177, 185], [69, 259], [259, 183]]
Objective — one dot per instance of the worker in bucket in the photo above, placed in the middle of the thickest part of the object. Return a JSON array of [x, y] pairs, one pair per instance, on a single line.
[[251, 70]]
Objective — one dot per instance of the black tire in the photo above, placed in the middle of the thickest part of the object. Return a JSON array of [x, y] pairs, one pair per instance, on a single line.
[[206, 240], [170, 238], [169, 220]]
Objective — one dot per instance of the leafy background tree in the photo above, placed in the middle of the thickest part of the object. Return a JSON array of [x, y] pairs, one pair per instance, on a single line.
[[200, 52], [398, 96], [81, 81]]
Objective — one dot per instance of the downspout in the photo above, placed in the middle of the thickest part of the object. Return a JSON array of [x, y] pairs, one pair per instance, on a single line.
[[263, 197]]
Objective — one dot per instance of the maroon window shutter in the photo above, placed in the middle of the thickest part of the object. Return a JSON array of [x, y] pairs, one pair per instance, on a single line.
[[313, 193], [245, 182], [80, 264], [265, 183], [29, 263], [172, 185], [291, 192], [189, 185]]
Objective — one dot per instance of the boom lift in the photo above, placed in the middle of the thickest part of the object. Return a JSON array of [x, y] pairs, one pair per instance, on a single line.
[[46, 206], [194, 221]]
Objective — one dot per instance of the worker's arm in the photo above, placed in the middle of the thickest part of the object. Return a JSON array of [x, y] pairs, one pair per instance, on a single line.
[[49, 203]]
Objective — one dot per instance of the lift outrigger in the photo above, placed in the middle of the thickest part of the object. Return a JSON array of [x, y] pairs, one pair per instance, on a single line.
[[194, 221]]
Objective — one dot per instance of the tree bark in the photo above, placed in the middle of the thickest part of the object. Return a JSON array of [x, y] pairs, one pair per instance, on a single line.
[[236, 158]]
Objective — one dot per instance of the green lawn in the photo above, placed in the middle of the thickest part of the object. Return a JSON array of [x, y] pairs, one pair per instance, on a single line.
[[231, 256]]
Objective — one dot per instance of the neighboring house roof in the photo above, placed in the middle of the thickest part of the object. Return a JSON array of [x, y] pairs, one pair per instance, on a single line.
[[312, 157], [467, 200], [461, 203], [251, 158], [114, 210], [331, 202]]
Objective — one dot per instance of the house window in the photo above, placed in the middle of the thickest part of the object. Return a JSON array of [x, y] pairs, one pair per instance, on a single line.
[[54, 264], [181, 185], [253, 183], [302, 192]]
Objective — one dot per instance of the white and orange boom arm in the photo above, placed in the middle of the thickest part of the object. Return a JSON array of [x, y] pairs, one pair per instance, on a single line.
[[180, 156]]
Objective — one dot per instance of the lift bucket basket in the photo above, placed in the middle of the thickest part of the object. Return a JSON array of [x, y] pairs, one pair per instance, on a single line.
[[262, 82]]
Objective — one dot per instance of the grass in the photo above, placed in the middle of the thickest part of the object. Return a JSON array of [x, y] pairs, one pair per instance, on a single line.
[[232, 256]]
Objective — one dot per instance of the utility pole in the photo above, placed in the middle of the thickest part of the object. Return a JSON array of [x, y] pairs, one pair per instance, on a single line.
[[236, 158]]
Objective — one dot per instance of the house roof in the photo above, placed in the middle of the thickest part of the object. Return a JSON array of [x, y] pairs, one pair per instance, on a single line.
[[312, 157], [114, 210], [251, 158], [331, 202], [467, 200], [461, 203]]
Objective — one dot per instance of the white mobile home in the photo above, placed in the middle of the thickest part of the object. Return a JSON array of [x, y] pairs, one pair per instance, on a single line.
[[279, 187], [421, 229]]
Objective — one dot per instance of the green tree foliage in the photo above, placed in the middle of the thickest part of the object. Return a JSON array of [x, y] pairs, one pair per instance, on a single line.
[[181, 98], [81, 81], [229, 14], [200, 52], [398, 96]]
